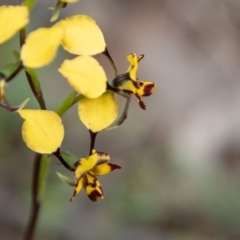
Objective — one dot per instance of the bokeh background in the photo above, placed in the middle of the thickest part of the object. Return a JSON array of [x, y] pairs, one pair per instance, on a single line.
[[180, 177]]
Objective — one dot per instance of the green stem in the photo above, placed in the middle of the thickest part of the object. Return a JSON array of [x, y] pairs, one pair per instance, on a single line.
[[106, 53], [36, 182], [64, 163], [28, 235], [92, 138], [14, 73], [57, 10]]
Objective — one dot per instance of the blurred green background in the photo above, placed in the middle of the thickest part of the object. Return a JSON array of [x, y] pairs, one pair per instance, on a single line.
[[180, 158]]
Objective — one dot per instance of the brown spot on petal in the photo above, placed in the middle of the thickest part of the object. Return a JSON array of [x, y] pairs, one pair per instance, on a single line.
[[95, 195], [148, 89]]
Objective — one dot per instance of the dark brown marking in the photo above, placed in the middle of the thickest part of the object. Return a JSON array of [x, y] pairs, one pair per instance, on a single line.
[[95, 195], [114, 166], [148, 89]]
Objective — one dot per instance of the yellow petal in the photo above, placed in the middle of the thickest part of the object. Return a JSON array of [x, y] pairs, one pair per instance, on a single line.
[[42, 130], [84, 165], [93, 188], [133, 59], [97, 114], [12, 19], [82, 35], [103, 169], [85, 75], [41, 47], [78, 187]]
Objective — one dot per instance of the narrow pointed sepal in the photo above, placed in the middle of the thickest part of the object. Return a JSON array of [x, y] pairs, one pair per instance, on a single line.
[[78, 186]]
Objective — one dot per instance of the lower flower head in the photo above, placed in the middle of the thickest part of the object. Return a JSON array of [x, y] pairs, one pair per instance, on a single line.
[[86, 171]]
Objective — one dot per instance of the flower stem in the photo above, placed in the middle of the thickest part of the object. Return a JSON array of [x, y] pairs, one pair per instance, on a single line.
[[15, 72], [106, 53], [60, 158], [36, 181], [28, 235], [93, 138]]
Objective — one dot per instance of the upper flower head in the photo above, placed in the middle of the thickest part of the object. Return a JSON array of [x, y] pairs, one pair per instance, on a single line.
[[78, 35], [129, 83], [86, 170]]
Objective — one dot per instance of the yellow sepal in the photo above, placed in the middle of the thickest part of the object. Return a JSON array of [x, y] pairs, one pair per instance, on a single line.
[[97, 114], [85, 164], [133, 59], [103, 169], [41, 47], [12, 19], [85, 75], [78, 187], [42, 130], [82, 36]]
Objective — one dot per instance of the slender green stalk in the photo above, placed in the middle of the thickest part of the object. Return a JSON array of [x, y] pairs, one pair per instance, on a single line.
[[106, 53], [92, 139], [14, 73], [36, 181], [35, 206]]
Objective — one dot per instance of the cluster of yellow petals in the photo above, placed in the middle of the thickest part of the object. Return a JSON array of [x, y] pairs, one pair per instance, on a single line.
[[78, 35], [129, 83], [86, 171], [42, 130]]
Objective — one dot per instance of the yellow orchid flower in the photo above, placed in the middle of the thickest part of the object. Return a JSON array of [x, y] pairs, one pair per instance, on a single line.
[[129, 83], [86, 171], [82, 36], [41, 47], [97, 114], [85, 75], [78, 35], [12, 19], [42, 130], [97, 110]]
